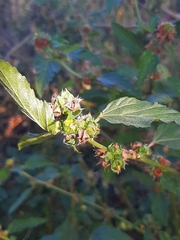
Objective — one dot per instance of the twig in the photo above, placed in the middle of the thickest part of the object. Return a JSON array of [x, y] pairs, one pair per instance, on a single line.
[[137, 11], [78, 197], [17, 46], [96, 144], [172, 14], [69, 69], [156, 164]]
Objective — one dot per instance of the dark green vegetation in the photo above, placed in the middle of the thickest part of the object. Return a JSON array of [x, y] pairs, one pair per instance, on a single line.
[[104, 163]]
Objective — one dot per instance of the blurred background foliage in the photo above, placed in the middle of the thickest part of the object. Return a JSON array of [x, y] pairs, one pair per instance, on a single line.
[[83, 52]]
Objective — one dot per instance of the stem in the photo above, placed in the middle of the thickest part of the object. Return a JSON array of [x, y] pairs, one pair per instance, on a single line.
[[96, 144], [156, 164], [69, 69], [98, 118], [137, 11], [175, 213], [83, 200]]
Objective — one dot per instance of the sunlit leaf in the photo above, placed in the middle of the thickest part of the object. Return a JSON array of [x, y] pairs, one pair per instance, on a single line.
[[24, 195], [30, 139], [131, 111], [128, 39], [106, 232], [168, 135], [18, 87], [20, 224], [147, 65]]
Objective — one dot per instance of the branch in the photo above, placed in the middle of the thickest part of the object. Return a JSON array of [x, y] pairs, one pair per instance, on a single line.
[[76, 196]]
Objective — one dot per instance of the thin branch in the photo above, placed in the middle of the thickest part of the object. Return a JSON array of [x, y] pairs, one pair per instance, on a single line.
[[78, 197], [137, 11], [96, 144], [157, 164], [172, 14], [69, 69], [17, 46]]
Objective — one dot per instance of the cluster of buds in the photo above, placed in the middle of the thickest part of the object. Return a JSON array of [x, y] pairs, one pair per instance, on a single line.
[[116, 157], [41, 41], [164, 34], [76, 127], [157, 172], [155, 76]]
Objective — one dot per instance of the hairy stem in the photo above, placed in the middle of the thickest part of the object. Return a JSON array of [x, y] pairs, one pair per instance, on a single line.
[[96, 144], [156, 164]]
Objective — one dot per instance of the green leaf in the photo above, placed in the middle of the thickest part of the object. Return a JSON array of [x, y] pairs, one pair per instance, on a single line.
[[37, 160], [147, 65], [170, 183], [153, 23], [113, 78], [168, 135], [24, 195], [106, 232], [30, 139], [45, 71], [110, 4], [3, 194], [55, 236], [49, 173], [4, 174], [173, 83], [142, 177], [18, 87], [68, 231], [177, 25], [71, 48], [131, 111], [78, 172], [24, 223], [128, 39], [159, 209], [164, 235], [164, 72], [127, 71], [148, 235], [84, 54]]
